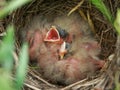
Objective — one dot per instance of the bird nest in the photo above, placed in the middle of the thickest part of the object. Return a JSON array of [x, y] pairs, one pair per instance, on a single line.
[[103, 30]]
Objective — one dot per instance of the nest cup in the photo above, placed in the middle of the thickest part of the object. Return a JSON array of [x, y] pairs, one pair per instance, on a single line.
[[102, 29], [100, 26]]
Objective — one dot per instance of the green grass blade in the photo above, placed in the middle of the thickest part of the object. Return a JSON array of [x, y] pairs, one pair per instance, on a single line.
[[117, 83], [117, 22], [6, 49], [6, 59], [101, 7], [22, 68], [5, 81], [11, 6]]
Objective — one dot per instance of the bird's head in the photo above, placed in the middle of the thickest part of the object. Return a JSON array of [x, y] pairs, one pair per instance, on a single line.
[[64, 49], [56, 35], [52, 35]]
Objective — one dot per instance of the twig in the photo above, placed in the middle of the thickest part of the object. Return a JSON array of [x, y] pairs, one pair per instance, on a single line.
[[2, 34], [71, 85], [76, 7], [91, 23], [42, 79], [32, 87], [15, 58], [89, 83], [101, 84]]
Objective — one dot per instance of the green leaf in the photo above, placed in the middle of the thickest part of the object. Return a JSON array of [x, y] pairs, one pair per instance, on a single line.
[[101, 7], [117, 22], [11, 6], [6, 49], [5, 81], [22, 68], [117, 83], [6, 59]]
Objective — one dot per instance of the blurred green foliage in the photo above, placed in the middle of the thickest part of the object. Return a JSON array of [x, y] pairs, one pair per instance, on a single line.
[[11, 6], [6, 60], [117, 22], [6, 49], [6, 52], [99, 4], [22, 68]]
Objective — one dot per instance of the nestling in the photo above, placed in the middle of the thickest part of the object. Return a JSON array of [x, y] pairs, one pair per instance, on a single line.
[[64, 48]]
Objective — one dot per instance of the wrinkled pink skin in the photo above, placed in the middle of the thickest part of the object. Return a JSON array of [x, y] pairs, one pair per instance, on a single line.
[[81, 63]]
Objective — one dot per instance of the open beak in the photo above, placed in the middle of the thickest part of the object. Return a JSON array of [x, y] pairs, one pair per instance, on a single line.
[[62, 50], [52, 35]]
